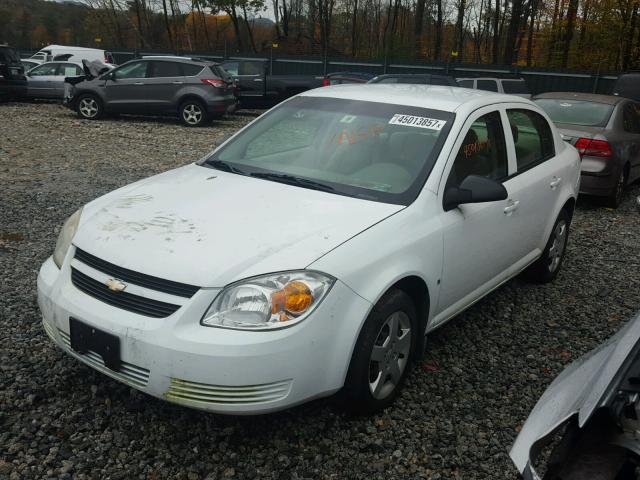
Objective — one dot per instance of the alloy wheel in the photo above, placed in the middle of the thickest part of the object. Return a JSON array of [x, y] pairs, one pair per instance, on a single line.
[[557, 246], [88, 107], [192, 114], [389, 355]]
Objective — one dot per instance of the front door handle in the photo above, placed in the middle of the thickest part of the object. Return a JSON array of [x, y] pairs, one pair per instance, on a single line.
[[257, 80], [512, 207], [139, 83], [555, 182]]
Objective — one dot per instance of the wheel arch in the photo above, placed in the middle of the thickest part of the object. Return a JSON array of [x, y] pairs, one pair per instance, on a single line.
[[190, 96]]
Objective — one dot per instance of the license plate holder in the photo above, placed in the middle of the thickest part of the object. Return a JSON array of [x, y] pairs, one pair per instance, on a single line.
[[85, 337]]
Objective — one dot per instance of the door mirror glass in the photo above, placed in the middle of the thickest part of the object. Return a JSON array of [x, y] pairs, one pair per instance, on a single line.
[[474, 189]]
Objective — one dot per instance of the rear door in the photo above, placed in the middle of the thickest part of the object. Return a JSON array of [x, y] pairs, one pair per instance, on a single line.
[[631, 125], [250, 77], [41, 81], [125, 88], [64, 70], [540, 175], [165, 79]]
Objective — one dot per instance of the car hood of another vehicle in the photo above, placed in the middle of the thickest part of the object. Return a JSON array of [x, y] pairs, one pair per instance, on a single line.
[[209, 228], [579, 390]]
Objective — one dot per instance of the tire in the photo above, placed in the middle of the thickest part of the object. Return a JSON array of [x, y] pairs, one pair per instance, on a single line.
[[382, 355], [547, 267], [617, 194], [192, 113], [89, 107]]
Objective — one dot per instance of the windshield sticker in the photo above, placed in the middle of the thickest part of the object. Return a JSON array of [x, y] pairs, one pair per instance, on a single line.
[[566, 105], [420, 122], [348, 119], [352, 135]]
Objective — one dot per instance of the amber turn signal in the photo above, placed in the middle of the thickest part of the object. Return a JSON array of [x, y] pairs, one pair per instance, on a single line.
[[294, 298]]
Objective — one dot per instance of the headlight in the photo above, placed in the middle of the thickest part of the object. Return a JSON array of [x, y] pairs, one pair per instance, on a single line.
[[66, 235], [268, 302]]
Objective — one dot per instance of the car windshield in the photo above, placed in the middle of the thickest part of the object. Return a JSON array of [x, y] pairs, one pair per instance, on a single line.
[[576, 112], [381, 152]]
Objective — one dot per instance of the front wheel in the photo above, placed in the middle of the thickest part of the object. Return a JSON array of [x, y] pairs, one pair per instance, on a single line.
[[192, 113], [89, 107], [547, 267], [382, 354]]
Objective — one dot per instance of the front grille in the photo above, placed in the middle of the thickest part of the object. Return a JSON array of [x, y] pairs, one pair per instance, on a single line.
[[128, 373], [126, 301], [183, 390], [140, 279]]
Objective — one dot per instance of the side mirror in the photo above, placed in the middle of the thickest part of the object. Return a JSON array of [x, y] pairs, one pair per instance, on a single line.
[[474, 189]]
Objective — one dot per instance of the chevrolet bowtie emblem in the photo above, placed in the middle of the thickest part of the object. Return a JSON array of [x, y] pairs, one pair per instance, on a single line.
[[115, 285]]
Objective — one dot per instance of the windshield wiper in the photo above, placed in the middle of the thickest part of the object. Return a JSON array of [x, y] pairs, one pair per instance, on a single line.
[[224, 166], [292, 180]]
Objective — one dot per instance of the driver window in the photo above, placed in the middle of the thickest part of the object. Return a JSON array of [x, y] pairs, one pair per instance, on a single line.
[[47, 69], [131, 70], [483, 151]]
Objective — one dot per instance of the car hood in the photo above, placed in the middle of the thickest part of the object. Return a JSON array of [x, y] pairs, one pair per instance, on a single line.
[[571, 133], [582, 388], [207, 227]]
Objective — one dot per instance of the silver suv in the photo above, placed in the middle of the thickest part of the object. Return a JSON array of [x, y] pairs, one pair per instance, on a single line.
[[193, 89]]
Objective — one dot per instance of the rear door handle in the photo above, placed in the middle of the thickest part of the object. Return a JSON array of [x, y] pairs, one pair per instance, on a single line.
[[139, 83], [257, 80], [555, 182], [512, 207]]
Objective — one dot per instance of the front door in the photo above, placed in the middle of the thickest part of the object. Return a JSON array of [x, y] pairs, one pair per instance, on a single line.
[[478, 238], [41, 81], [250, 78], [126, 87]]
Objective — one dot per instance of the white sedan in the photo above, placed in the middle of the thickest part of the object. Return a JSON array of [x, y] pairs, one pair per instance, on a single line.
[[313, 251]]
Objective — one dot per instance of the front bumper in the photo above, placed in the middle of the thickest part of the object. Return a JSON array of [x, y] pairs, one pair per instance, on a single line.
[[219, 370]]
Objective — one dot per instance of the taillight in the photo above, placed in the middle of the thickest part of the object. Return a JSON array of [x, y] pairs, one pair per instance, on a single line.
[[326, 82], [214, 82], [593, 148]]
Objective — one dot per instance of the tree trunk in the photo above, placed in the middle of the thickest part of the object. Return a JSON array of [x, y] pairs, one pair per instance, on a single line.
[[512, 32], [568, 35], [166, 22], [233, 14], [460, 28], [249, 29], [496, 33], [534, 12], [417, 29], [354, 23], [628, 44], [439, 28]]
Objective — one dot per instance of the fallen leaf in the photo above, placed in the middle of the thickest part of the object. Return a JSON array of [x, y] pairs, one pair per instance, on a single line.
[[565, 354], [430, 367]]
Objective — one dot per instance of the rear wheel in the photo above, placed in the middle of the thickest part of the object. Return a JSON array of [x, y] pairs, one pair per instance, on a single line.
[[192, 113], [617, 194], [382, 354], [547, 267], [89, 107]]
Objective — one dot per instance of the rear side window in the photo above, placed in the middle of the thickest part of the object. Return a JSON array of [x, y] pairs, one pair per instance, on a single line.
[[631, 118], [489, 85], [132, 70], [251, 68], [166, 69], [465, 83], [191, 70], [514, 86], [46, 69], [69, 70], [532, 138], [483, 151]]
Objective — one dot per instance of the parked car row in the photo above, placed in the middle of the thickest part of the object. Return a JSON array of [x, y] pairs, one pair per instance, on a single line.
[[604, 129]]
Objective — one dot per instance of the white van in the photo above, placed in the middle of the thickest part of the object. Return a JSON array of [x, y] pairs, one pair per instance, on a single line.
[[75, 54]]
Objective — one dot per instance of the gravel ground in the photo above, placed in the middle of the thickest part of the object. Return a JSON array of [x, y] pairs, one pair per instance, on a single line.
[[456, 418]]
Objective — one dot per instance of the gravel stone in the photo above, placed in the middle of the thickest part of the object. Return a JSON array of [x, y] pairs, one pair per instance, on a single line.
[[456, 418]]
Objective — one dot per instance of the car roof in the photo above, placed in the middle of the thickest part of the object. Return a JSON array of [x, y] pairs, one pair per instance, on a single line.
[[437, 97], [412, 75], [174, 58], [587, 97]]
